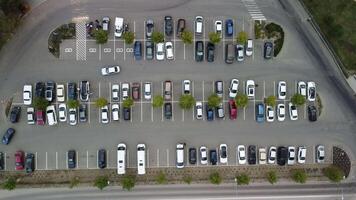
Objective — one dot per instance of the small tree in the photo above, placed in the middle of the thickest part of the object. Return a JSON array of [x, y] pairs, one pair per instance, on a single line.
[[72, 103], [241, 38], [298, 100], [272, 177], [127, 103], [214, 37], [271, 101], [129, 37], [101, 36], [242, 179], [299, 176], [187, 179], [40, 103], [157, 37], [215, 178], [9, 184], [213, 101], [161, 178], [128, 182], [74, 182], [187, 37], [157, 101], [186, 101], [241, 100], [334, 173], [101, 102], [101, 182]]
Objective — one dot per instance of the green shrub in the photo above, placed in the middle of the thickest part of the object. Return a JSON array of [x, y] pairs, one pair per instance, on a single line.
[[187, 179], [157, 101], [74, 182], [241, 100], [101, 36], [101, 102], [187, 37], [213, 101], [129, 37], [241, 38], [272, 177], [271, 100], [186, 101], [40, 103], [243, 179], [214, 37], [215, 178], [128, 182], [72, 103], [101, 182], [127, 103], [9, 184], [161, 178], [157, 37], [299, 176], [298, 99], [334, 173]]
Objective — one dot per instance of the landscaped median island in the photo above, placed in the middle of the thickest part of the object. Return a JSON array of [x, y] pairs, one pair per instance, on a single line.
[[270, 31]]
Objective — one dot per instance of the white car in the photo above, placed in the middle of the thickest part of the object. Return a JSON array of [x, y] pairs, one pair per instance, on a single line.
[[241, 153], [233, 89], [302, 153], [269, 114], [51, 115], [302, 88], [180, 156], [169, 50], [105, 71], [311, 91], [223, 153], [160, 51], [282, 90], [148, 91], [115, 91], [115, 111], [141, 159], [240, 52], [72, 113], [186, 87], [203, 155], [218, 27], [250, 89], [272, 154], [62, 112], [199, 109], [281, 112], [293, 112], [291, 155], [30, 115], [60, 93], [262, 156], [121, 158], [27, 94], [106, 23], [119, 26], [249, 47], [320, 154], [104, 114], [125, 88]]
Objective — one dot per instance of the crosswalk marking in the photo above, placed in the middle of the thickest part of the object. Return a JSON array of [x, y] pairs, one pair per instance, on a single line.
[[253, 10], [81, 37]]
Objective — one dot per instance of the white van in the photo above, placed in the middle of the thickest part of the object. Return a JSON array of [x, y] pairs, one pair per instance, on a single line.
[[51, 115], [141, 159], [121, 158], [180, 156], [148, 92], [198, 25], [119, 24]]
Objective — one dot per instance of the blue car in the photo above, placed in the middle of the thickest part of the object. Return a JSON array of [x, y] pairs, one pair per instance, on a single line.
[[8, 135], [138, 50], [260, 113], [209, 113], [229, 27]]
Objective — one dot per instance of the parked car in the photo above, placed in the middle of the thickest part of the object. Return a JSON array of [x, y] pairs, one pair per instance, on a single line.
[[138, 50], [210, 52], [192, 156], [27, 94], [141, 159], [250, 89], [168, 110], [62, 112], [302, 153], [293, 112], [19, 160], [83, 113], [84, 91], [72, 91], [51, 115], [105, 71], [125, 89], [262, 156], [186, 87], [15, 114], [239, 51], [229, 27], [60, 93], [149, 28], [199, 51], [2, 161], [180, 27], [241, 154], [167, 90], [268, 50], [209, 113], [115, 111], [220, 113], [72, 162], [102, 158], [160, 51], [180, 156], [281, 112], [40, 117], [49, 94], [233, 89], [105, 115], [148, 91], [6, 139], [149, 50], [30, 115], [199, 25], [232, 109], [168, 25], [291, 155], [302, 88], [219, 88], [252, 155], [106, 24], [127, 114], [135, 88], [40, 89], [119, 26], [272, 153], [282, 155], [72, 116], [121, 158], [282, 90], [320, 154], [312, 113], [218, 27], [229, 53], [203, 155], [249, 47], [260, 112], [199, 110], [115, 92], [30, 163], [269, 114], [213, 157], [223, 153], [169, 50], [311, 90]]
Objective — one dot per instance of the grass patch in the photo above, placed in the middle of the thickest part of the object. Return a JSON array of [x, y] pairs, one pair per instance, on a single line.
[[271, 31], [65, 31]]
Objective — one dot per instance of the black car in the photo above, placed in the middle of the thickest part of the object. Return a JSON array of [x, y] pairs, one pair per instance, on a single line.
[[40, 89], [282, 155], [50, 92], [213, 157], [251, 155], [71, 159], [312, 113], [2, 161], [138, 50], [30, 163], [127, 113], [72, 91], [210, 49], [15, 114], [268, 50], [102, 158], [209, 113], [192, 156], [180, 27], [6, 139], [168, 110], [149, 50], [84, 91], [199, 51], [168, 25], [83, 113]]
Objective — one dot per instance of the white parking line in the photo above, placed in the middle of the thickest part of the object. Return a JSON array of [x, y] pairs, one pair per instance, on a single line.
[[77, 158], [124, 51], [66, 160], [97, 155], [56, 159], [134, 29], [194, 97], [36, 160], [264, 89], [174, 41], [141, 101], [107, 156], [5, 160], [46, 161], [99, 51], [184, 51], [110, 91], [244, 113], [114, 48], [172, 101], [203, 98], [128, 158], [99, 88], [305, 111], [151, 105], [274, 88], [243, 23], [182, 115], [148, 157], [157, 157], [163, 98], [87, 159], [144, 40], [89, 112], [167, 151]]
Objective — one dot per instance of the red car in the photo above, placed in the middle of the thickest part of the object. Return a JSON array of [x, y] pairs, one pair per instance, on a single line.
[[232, 109], [40, 118], [19, 160], [135, 88]]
